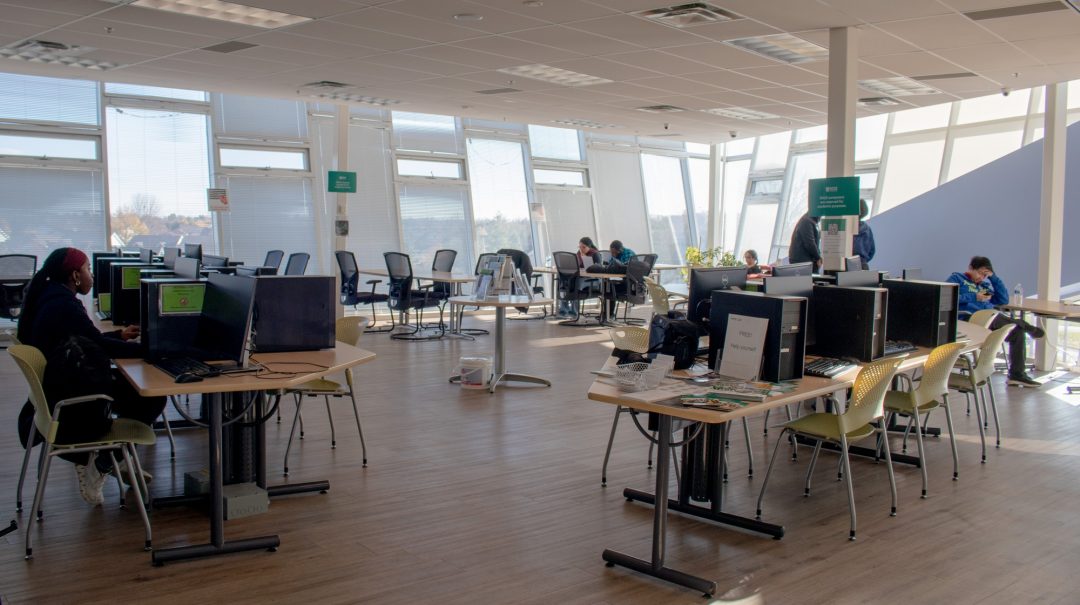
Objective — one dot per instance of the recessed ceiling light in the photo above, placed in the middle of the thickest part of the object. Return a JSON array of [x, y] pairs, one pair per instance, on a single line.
[[468, 17], [554, 75], [583, 123], [782, 47], [741, 113], [351, 98], [898, 86], [223, 11], [533, 3], [878, 101]]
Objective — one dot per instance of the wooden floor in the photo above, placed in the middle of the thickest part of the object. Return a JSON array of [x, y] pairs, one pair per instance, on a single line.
[[476, 498]]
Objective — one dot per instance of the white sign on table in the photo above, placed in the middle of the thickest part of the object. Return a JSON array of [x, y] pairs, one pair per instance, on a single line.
[[743, 344]]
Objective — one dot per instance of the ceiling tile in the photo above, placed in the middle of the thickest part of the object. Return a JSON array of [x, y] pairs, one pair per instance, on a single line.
[[637, 31], [658, 61], [785, 74], [79, 8], [988, 56], [494, 79], [732, 80], [1015, 80], [285, 56], [308, 8], [719, 55], [409, 25], [605, 69], [526, 51], [965, 6], [916, 64], [946, 31], [494, 21], [1061, 49], [555, 11], [731, 30], [790, 15], [142, 33], [479, 61], [783, 94], [31, 16], [421, 64], [107, 42], [676, 85], [119, 57], [733, 99], [20, 30], [573, 40], [1031, 27], [327, 48], [345, 34], [625, 89]]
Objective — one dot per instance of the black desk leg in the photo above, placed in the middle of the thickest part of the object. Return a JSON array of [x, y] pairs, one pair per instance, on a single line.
[[655, 567], [858, 450]]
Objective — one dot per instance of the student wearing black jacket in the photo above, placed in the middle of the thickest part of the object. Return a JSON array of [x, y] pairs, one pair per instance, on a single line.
[[806, 241], [55, 321]]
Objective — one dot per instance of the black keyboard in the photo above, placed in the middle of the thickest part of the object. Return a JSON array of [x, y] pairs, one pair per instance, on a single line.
[[895, 347], [186, 365], [827, 367]]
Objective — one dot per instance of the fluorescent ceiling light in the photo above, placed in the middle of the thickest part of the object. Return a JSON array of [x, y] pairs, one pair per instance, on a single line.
[[583, 123], [898, 86], [351, 98], [31, 55], [782, 47], [879, 101], [741, 113], [225, 11], [553, 75]]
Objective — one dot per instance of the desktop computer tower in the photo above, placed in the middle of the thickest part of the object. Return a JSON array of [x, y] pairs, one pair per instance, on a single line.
[[168, 330], [294, 313], [124, 278], [849, 323], [923, 313], [785, 337]]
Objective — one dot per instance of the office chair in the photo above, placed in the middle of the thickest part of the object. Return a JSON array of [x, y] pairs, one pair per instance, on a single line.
[[632, 291], [404, 297], [523, 264], [662, 302], [649, 259], [856, 423], [124, 435], [978, 376], [350, 293], [297, 263], [20, 269], [347, 330], [273, 259], [570, 284], [444, 263]]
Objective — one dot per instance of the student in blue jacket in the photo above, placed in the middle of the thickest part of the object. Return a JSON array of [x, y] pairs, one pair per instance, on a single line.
[[980, 289], [863, 242]]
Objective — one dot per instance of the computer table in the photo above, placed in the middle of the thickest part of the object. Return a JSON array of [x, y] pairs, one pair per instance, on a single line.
[[500, 304], [1050, 309], [152, 382]]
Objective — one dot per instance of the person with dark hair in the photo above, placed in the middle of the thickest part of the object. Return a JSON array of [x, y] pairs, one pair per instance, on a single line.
[[620, 252], [863, 242], [806, 241], [55, 321], [753, 265], [980, 288], [586, 248]]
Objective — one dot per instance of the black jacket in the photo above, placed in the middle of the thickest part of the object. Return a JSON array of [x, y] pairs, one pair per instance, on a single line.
[[60, 315], [805, 241]]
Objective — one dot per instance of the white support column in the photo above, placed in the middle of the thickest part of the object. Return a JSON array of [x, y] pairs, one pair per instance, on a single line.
[[840, 146], [1051, 214], [714, 234], [341, 212]]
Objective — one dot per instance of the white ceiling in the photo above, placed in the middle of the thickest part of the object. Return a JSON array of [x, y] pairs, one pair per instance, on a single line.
[[416, 52]]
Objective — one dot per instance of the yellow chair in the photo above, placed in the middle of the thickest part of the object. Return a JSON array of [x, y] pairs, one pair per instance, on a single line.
[[347, 330], [977, 376], [661, 299], [630, 338], [932, 393], [124, 435], [864, 408]]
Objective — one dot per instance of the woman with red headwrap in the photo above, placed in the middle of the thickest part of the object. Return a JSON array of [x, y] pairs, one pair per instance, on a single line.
[[53, 319]]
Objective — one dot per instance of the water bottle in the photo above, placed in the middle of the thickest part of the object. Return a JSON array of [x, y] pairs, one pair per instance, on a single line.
[[1018, 294]]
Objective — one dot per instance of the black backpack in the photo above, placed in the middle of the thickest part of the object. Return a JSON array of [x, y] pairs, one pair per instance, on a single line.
[[672, 335]]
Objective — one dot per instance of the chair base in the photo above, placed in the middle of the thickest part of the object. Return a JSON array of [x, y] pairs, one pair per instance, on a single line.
[[706, 587]]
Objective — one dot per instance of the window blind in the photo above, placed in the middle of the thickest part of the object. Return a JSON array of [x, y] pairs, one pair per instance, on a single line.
[[565, 215], [37, 99], [554, 143], [47, 208], [237, 115], [434, 217], [268, 213], [500, 197], [373, 220], [616, 178], [426, 132]]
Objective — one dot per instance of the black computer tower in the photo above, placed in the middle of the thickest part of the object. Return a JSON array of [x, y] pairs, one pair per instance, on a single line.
[[785, 337], [164, 333], [849, 323], [922, 312], [124, 281], [294, 313]]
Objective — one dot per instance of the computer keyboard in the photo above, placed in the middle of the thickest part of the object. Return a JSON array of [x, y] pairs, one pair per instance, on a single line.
[[186, 365], [895, 347], [827, 367]]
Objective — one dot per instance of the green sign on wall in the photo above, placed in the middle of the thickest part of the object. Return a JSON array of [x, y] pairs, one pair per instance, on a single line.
[[836, 196], [341, 182]]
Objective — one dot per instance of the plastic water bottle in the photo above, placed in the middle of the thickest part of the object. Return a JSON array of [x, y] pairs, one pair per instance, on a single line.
[[1018, 294]]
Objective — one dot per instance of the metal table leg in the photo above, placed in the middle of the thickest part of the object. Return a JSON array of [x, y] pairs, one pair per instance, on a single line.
[[500, 374]]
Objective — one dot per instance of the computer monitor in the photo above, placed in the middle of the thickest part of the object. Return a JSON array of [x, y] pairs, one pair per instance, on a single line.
[[294, 313], [187, 267], [98, 268], [213, 260], [124, 287], [170, 313], [703, 280], [225, 323], [858, 279], [169, 259], [146, 255], [793, 269], [913, 273], [853, 263], [193, 251]]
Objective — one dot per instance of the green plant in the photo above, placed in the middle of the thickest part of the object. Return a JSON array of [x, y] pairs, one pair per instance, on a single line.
[[709, 257]]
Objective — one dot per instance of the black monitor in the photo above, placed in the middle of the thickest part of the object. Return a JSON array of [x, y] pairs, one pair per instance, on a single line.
[[913, 273], [703, 280], [170, 256], [100, 268], [193, 251], [793, 269], [213, 260], [858, 279], [170, 314], [225, 323], [294, 313]]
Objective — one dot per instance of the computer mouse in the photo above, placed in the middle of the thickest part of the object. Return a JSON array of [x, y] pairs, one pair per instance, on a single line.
[[188, 377]]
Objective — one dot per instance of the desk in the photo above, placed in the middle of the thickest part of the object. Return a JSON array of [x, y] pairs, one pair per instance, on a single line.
[[152, 382], [604, 279], [1050, 309], [500, 304]]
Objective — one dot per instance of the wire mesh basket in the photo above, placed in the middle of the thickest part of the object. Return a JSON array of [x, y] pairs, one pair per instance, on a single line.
[[637, 376]]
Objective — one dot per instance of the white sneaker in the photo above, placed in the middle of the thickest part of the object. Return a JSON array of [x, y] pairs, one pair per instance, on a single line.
[[91, 482], [123, 470]]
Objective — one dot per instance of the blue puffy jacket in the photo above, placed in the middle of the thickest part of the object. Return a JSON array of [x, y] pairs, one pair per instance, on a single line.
[[969, 290]]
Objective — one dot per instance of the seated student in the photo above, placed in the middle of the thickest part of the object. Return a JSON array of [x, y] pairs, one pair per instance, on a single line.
[[979, 289], [620, 256], [621, 253], [753, 267], [55, 321], [586, 249]]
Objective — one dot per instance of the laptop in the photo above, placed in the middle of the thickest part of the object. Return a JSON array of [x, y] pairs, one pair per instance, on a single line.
[[586, 261]]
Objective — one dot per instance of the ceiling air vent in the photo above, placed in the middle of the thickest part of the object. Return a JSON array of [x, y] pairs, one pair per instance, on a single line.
[[497, 91], [230, 47], [53, 49], [878, 101], [959, 74], [1016, 11], [326, 85], [688, 15], [660, 109]]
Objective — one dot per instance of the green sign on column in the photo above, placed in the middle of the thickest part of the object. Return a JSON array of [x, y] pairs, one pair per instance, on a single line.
[[836, 196], [341, 182]]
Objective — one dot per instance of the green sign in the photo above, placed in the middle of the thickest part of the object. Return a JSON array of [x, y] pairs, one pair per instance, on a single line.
[[131, 277], [341, 182], [836, 196], [181, 299], [104, 302]]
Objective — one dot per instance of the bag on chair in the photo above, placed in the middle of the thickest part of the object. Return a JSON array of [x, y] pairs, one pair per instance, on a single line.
[[675, 337]]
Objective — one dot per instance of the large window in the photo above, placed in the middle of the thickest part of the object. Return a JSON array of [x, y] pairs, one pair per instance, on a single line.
[[48, 100], [48, 208], [665, 198], [806, 166], [49, 147], [433, 217], [500, 197], [554, 143], [911, 169], [699, 193]]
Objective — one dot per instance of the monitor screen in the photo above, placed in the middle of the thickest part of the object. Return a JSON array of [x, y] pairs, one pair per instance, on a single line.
[[225, 323], [857, 279], [703, 281], [171, 254], [793, 269], [193, 251]]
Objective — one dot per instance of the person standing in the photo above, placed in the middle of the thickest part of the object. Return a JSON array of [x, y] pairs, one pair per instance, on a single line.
[[806, 241], [863, 242]]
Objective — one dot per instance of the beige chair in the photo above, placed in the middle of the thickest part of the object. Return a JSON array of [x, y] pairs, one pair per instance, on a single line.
[[630, 338], [932, 393], [348, 330], [976, 376], [863, 409], [124, 435], [662, 300]]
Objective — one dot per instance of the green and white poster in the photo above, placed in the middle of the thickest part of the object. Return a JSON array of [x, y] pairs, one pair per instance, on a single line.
[[341, 182], [131, 277], [181, 299], [834, 196]]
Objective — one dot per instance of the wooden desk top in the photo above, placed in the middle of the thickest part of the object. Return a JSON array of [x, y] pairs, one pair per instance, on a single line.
[[302, 366], [1047, 308], [668, 267], [505, 301]]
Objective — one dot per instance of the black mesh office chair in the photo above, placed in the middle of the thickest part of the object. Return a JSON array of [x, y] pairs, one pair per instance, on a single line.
[[571, 286], [632, 290], [404, 297], [648, 259], [16, 270], [444, 263], [273, 259], [523, 264], [297, 264], [350, 288]]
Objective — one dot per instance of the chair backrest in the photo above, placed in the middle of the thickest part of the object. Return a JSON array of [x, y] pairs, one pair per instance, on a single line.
[[567, 266], [659, 296], [399, 270], [521, 261], [983, 317], [935, 376], [481, 260], [630, 338], [444, 260], [18, 265], [273, 258], [984, 365], [868, 394], [297, 263], [32, 363], [635, 281], [350, 277], [349, 329], [649, 259]]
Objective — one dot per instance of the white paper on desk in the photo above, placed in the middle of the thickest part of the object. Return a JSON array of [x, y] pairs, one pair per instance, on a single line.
[[744, 342]]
